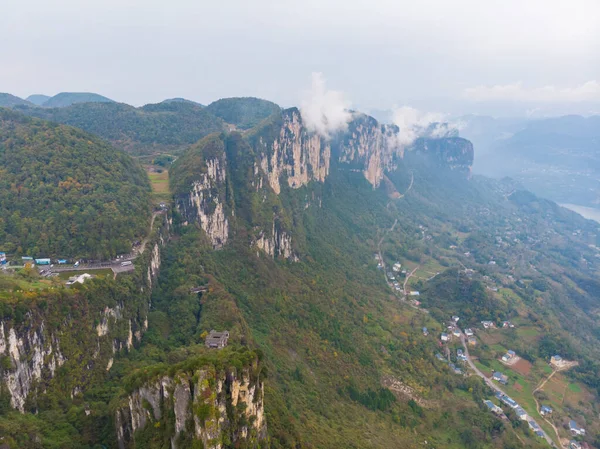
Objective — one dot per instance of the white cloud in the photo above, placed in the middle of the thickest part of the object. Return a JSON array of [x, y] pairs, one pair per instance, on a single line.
[[324, 111], [414, 124], [589, 91]]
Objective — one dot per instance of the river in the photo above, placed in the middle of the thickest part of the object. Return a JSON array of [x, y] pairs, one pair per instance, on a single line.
[[587, 212]]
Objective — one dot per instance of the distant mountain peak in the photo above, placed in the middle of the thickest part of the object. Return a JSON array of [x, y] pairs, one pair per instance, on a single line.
[[8, 101], [68, 98], [38, 99], [182, 100]]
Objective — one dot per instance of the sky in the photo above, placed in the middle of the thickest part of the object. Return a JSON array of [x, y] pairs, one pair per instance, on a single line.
[[496, 57]]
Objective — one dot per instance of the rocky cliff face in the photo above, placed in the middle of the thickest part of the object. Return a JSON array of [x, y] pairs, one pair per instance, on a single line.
[[232, 176], [454, 153], [31, 354], [81, 329], [289, 151], [277, 243], [206, 199], [207, 405], [369, 147]]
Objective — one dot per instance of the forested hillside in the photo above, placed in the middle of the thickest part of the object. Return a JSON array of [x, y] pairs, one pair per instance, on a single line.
[[9, 101], [243, 112], [157, 127], [68, 98], [65, 193]]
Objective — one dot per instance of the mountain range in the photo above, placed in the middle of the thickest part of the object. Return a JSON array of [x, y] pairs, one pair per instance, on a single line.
[[285, 238]]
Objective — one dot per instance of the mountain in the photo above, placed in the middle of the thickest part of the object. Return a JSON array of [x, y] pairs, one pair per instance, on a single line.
[[245, 112], [553, 157], [9, 101], [182, 100], [69, 98], [38, 99], [151, 128], [286, 239], [65, 193]]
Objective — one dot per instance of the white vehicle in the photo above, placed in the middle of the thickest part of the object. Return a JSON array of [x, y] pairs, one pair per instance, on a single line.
[[126, 263], [76, 264]]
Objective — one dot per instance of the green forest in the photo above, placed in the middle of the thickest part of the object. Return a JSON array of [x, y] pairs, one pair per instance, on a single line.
[[65, 193]]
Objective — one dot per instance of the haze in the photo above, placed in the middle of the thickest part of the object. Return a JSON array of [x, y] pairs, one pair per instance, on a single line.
[[500, 58]]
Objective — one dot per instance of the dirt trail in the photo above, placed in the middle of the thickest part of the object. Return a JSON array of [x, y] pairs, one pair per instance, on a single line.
[[140, 250], [537, 404]]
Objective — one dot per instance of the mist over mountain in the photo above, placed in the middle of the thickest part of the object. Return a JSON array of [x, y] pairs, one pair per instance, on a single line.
[[557, 158]]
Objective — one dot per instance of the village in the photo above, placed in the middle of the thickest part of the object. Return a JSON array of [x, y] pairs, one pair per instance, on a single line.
[[454, 343]]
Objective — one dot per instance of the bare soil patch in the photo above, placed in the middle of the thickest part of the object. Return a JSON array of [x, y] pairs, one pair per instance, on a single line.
[[522, 366]]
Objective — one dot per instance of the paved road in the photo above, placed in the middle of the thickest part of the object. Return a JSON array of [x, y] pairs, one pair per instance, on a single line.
[[115, 266]]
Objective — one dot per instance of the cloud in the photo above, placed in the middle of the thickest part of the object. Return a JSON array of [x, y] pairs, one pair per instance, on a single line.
[[586, 92], [324, 111], [414, 124]]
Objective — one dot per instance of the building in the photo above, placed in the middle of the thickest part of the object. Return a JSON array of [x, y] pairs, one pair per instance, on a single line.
[[62, 261], [414, 293], [492, 407], [440, 357], [216, 339], [472, 341], [425, 331], [2, 258], [575, 429], [445, 337], [522, 414], [506, 324], [499, 377], [397, 267], [488, 324], [456, 332], [545, 410], [507, 400], [79, 279], [469, 332], [508, 356], [42, 261], [574, 444], [455, 318]]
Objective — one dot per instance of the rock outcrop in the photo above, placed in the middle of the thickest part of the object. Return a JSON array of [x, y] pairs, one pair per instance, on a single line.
[[454, 153], [204, 202], [31, 353], [207, 405], [289, 151], [369, 147], [277, 243], [73, 329]]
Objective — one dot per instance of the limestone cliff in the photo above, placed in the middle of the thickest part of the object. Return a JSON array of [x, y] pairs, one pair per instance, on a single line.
[[369, 147], [80, 328], [203, 404], [277, 243], [454, 153], [288, 151], [201, 196]]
